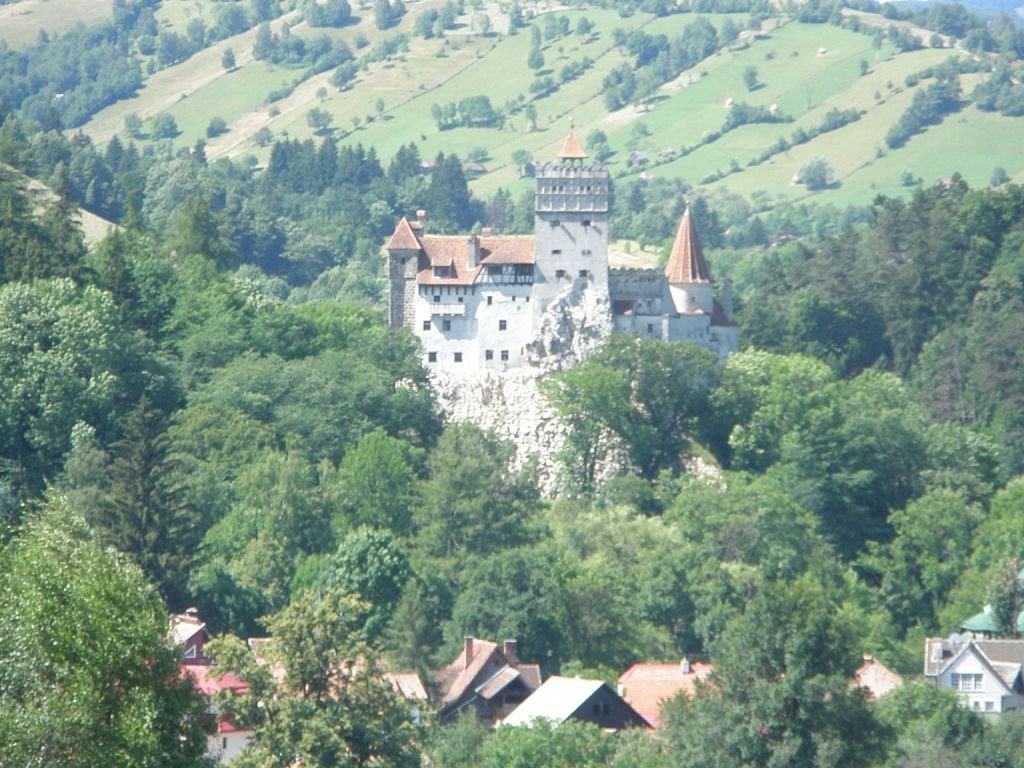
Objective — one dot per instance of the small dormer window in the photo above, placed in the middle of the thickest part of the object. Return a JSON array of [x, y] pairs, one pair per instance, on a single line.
[[190, 652]]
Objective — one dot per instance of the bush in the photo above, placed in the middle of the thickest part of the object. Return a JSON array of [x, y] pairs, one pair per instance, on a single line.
[[817, 174], [216, 127], [164, 126]]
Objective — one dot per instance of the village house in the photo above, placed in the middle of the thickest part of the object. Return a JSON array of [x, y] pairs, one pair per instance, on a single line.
[[487, 677], [573, 698], [876, 678], [986, 674], [227, 739], [478, 301], [646, 687], [189, 633]]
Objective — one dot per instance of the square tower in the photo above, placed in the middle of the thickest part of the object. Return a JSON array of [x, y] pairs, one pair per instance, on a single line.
[[570, 224]]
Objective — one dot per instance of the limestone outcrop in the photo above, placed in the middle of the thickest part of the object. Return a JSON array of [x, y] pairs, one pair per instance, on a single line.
[[510, 403]]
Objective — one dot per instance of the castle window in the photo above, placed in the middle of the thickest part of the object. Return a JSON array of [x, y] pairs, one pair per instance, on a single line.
[[555, 223], [426, 325], [461, 299], [586, 252], [504, 355], [586, 222], [556, 252], [560, 274], [458, 357], [584, 273], [650, 327], [437, 298], [489, 354], [489, 300], [431, 357], [446, 325], [503, 325]]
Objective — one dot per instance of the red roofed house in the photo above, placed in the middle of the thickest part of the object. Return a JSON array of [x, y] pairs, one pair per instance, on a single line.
[[487, 677], [228, 739], [877, 678], [646, 687]]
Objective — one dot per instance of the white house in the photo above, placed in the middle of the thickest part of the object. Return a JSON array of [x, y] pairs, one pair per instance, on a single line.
[[986, 674]]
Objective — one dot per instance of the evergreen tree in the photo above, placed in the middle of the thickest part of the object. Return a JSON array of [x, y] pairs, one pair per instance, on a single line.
[[143, 512]]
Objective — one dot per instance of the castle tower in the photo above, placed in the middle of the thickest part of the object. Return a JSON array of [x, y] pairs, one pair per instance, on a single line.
[[404, 250], [688, 277], [570, 224]]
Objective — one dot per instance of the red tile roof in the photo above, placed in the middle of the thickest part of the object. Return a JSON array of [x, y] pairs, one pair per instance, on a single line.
[[453, 251], [686, 262], [876, 677], [404, 238], [205, 682], [646, 687], [572, 149]]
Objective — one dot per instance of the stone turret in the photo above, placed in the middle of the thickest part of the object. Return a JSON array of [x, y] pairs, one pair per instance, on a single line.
[[403, 265]]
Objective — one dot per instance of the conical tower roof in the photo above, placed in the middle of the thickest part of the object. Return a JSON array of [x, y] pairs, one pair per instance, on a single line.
[[686, 262], [403, 238], [572, 149]]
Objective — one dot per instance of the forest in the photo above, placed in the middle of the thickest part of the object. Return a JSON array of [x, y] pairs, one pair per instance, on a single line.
[[207, 409]]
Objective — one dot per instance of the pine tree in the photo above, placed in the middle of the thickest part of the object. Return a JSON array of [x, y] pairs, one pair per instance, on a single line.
[[144, 513]]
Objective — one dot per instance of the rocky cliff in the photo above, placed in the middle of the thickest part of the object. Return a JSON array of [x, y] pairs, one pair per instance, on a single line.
[[510, 403]]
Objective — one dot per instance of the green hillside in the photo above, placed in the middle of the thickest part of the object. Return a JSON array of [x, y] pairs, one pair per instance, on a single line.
[[803, 71]]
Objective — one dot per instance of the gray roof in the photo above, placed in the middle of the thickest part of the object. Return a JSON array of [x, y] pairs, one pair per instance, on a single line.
[[555, 700], [1004, 657]]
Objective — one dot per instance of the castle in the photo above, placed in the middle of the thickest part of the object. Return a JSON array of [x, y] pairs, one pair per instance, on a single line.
[[477, 302]]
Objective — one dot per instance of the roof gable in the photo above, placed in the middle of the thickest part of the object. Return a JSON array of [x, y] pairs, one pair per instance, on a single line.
[[556, 700]]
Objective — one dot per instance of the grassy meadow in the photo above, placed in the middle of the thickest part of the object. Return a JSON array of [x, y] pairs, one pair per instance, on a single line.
[[803, 71]]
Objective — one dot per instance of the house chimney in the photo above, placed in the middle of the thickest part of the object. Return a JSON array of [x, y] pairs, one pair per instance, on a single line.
[[421, 221], [472, 252], [684, 666], [469, 650], [511, 651]]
